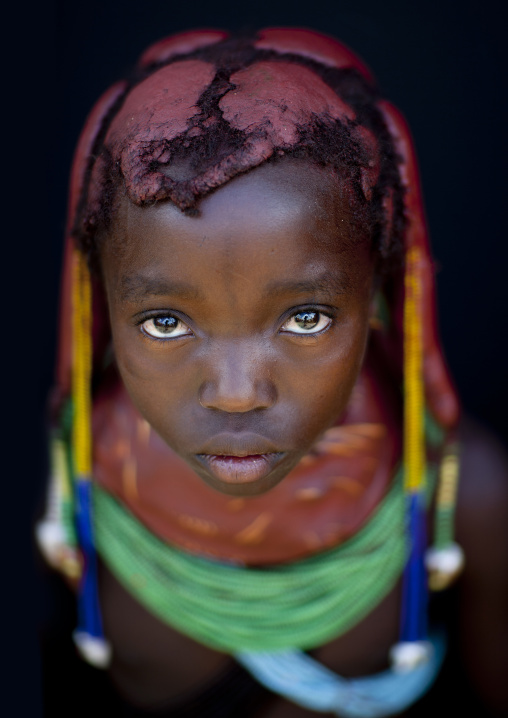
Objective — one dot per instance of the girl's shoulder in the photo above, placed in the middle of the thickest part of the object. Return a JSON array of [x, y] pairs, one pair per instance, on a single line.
[[482, 506], [482, 531]]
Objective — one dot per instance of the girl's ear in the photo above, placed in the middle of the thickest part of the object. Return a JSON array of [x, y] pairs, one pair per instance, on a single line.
[[379, 316]]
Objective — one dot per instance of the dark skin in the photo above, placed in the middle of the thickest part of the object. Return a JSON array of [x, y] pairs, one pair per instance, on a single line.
[[230, 366], [240, 333]]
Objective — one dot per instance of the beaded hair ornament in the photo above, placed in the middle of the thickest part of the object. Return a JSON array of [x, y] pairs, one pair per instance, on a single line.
[[425, 378]]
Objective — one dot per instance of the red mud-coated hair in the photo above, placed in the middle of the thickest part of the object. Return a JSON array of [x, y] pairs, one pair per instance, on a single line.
[[223, 106]]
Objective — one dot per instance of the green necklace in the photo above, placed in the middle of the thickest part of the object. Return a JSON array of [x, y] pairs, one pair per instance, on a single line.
[[230, 608]]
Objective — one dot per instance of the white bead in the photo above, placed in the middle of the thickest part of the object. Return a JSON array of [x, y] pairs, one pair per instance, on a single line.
[[96, 651], [448, 560], [407, 655], [51, 539]]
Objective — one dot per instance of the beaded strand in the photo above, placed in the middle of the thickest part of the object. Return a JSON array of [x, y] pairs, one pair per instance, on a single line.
[[413, 647], [89, 636]]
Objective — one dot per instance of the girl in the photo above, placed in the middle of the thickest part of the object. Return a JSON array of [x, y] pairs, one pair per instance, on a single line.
[[256, 442]]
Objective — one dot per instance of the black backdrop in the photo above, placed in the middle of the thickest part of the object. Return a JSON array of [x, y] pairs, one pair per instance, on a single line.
[[442, 63]]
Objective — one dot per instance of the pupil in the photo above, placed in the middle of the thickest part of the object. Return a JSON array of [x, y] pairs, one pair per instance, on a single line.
[[165, 324], [307, 320]]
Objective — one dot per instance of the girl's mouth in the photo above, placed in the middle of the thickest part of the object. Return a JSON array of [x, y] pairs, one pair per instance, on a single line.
[[240, 469]]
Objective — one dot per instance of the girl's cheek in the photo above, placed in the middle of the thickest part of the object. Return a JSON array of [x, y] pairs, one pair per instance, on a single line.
[[131, 360]]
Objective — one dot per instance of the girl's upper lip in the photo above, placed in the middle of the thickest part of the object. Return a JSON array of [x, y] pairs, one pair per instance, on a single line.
[[238, 444]]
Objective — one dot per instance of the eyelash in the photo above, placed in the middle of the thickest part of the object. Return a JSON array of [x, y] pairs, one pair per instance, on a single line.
[[301, 310], [162, 315], [311, 332]]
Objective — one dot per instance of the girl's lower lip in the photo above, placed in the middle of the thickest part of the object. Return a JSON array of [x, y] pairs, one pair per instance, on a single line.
[[240, 469]]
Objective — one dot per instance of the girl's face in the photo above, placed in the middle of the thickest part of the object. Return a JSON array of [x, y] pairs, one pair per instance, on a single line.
[[239, 333]]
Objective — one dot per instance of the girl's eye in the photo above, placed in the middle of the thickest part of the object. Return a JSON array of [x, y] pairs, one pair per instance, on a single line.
[[307, 322], [165, 326]]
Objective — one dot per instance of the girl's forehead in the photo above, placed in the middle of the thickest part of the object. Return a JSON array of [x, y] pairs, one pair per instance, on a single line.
[[274, 221], [284, 195]]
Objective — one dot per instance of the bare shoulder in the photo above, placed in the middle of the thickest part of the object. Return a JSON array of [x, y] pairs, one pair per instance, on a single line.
[[484, 459], [482, 508], [482, 531]]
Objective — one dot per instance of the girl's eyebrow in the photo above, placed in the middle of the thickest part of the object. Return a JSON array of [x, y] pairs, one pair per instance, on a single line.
[[134, 287], [328, 283]]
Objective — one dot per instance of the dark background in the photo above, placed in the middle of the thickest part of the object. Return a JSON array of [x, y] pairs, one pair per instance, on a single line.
[[442, 63]]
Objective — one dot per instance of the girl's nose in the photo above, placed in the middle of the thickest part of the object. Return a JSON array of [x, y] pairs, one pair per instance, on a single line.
[[237, 381]]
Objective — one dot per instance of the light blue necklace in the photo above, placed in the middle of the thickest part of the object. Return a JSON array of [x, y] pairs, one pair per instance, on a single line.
[[302, 680]]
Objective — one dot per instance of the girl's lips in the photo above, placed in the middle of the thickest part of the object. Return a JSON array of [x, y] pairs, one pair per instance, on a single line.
[[240, 469]]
